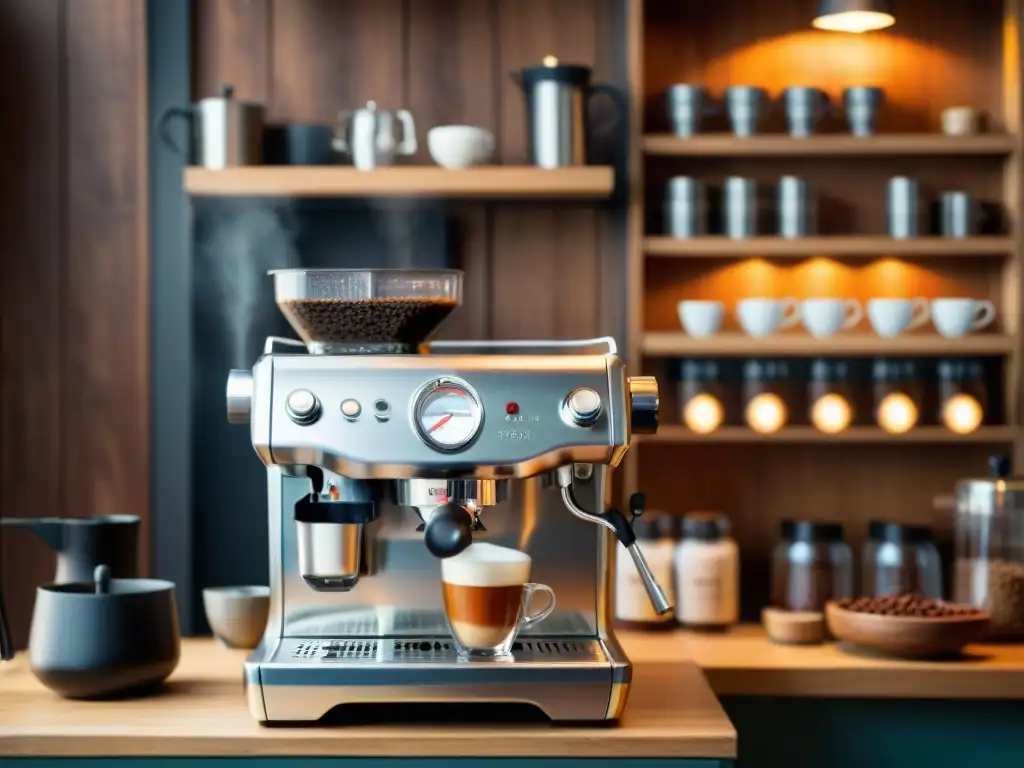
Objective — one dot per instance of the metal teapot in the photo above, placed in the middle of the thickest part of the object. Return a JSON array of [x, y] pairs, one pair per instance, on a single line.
[[368, 135]]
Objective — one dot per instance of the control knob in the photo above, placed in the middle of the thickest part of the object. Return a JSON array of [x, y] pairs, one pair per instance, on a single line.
[[584, 407], [644, 405], [302, 407]]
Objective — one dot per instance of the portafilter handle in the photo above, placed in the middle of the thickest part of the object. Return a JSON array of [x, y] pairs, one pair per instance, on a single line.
[[617, 522], [449, 530]]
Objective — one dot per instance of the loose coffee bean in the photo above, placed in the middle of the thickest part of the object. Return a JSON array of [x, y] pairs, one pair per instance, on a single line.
[[906, 605], [398, 320]]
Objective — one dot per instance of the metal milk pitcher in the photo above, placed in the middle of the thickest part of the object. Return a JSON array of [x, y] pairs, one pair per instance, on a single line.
[[558, 128], [223, 131], [368, 135]]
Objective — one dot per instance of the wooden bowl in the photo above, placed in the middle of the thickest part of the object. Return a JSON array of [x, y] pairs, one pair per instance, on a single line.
[[908, 636], [793, 627]]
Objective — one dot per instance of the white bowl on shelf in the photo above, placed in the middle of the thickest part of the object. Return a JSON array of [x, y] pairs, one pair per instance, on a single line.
[[460, 146]]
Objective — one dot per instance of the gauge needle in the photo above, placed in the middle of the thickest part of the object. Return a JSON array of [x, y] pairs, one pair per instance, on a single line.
[[440, 423]]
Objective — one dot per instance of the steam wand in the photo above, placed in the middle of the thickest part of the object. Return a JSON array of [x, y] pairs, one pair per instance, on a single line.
[[622, 527]]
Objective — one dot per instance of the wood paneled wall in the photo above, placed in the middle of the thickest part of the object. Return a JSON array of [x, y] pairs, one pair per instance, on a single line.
[[532, 270], [73, 274]]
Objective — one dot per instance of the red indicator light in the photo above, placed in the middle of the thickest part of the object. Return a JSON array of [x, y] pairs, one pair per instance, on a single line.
[[511, 408]]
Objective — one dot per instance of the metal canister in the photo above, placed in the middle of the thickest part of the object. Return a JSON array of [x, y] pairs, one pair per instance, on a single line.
[[686, 211], [902, 208], [796, 208], [557, 128], [224, 132], [739, 207]]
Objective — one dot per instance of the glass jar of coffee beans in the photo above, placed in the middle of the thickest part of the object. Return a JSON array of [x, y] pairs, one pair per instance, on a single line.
[[989, 568], [811, 564]]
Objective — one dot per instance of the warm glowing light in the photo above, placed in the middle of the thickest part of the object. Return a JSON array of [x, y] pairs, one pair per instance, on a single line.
[[854, 21], [703, 414], [550, 61], [897, 413], [831, 414], [962, 414], [766, 413]]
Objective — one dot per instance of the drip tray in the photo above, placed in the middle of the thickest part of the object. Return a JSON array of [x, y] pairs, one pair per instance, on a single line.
[[428, 650]]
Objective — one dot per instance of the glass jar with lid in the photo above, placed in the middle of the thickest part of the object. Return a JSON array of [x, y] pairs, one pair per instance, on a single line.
[[897, 394], [830, 396], [707, 565], [962, 395], [811, 564], [766, 395], [989, 568], [898, 559], [701, 396]]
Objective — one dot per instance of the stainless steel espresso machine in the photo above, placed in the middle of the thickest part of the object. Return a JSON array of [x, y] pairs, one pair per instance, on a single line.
[[385, 453]]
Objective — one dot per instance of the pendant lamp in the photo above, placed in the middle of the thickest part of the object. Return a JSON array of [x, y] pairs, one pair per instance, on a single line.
[[854, 15]]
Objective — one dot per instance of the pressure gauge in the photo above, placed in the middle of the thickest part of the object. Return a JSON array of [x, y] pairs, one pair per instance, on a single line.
[[447, 414]]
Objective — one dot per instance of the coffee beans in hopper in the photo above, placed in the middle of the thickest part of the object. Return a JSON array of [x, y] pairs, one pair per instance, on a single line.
[[407, 320], [906, 605]]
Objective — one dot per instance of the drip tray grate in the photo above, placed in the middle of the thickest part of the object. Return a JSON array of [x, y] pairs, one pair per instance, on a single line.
[[433, 650]]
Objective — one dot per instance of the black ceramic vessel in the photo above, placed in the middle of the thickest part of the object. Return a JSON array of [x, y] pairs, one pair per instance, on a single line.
[[104, 639]]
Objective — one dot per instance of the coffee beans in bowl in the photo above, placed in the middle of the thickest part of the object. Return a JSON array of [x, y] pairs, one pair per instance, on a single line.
[[907, 605], [906, 625]]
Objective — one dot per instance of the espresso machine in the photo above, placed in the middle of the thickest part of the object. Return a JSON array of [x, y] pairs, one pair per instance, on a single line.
[[385, 453]]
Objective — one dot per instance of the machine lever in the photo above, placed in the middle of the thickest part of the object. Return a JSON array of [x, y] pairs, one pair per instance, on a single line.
[[618, 523]]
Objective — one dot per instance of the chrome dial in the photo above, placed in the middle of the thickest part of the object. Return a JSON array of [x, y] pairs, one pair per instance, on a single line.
[[447, 414]]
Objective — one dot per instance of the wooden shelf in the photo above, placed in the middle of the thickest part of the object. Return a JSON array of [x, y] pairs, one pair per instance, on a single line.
[[432, 181], [867, 247], [826, 145], [667, 344], [743, 662], [672, 433]]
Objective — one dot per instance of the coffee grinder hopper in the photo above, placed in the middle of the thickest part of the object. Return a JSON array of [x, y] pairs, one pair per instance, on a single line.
[[366, 311]]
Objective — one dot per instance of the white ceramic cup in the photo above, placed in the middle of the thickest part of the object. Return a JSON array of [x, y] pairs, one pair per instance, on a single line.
[[827, 317], [958, 317], [959, 121], [763, 317], [460, 146], [700, 319], [891, 317]]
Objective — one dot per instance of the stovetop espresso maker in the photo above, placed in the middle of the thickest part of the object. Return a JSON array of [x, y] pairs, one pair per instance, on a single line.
[[385, 453]]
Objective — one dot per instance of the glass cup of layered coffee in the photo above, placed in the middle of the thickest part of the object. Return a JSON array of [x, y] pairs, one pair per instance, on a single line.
[[487, 599]]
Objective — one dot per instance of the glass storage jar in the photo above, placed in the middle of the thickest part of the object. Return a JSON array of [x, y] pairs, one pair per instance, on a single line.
[[899, 559], [897, 394], [766, 395], [811, 565], [830, 396], [701, 396], [962, 395], [707, 573], [989, 568]]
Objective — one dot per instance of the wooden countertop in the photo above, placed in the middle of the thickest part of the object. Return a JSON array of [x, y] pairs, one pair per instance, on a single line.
[[744, 662], [671, 713]]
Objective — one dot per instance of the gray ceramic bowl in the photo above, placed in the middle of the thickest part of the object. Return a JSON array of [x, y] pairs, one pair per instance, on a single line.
[[237, 615], [113, 637]]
